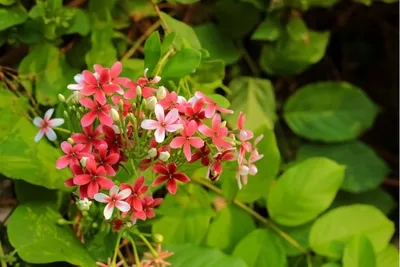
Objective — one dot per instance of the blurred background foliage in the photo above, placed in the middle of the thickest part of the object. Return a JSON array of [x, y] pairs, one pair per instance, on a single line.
[[319, 78]]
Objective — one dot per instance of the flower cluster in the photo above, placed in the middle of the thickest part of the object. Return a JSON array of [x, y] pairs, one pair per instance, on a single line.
[[136, 125]]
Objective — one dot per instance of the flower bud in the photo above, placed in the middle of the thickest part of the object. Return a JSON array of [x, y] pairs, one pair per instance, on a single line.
[[71, 141], [61, 98], [151, 103], [114, 114], [121, 105], [161, 92], [78, 115], [66, 114], [95, 225], [62, 221], [223, 124], [145, 72], [84, 204], [83, 161], [156, 79], [164, 156], [158, 238], [244, 170], [138, 91], [152, 152]]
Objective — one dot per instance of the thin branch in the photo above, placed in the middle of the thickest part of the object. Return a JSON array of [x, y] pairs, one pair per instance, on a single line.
[[163, 22]]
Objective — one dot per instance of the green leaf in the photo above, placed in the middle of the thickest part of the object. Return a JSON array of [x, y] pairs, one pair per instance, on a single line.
[[376, 197], [261, 248], [43, 240], [198, 256], [186, 216], [300, 234], [297, 29], [268, 30], [389, 257], [27, 192], [304, 191], [306, 4], [152, 48], [359, 253], [332, 231], [167, 43], [364, 169], [331, 264], [219, 46], [80, 23], [21, 157], [133, 68], [29, 33], [289, 57], [220, 100], [256, 99], [185, 31], [208, 76], [229, 227], [329, 111], [101, 245], [103, 51], [174, 68], [7, 2], [258, 186], [231, 19], [12, 15]]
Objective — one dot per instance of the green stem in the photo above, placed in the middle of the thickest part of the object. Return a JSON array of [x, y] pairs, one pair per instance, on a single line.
[[114, 260], [152, 250], [122, 258], [162, 61], [309, 262], [135, 252], [163, 22], [226, 89], [61, 130], [3, 261]]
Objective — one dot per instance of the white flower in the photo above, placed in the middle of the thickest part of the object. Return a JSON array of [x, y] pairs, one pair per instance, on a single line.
[[84, 204], [45, 125], [115, 199]]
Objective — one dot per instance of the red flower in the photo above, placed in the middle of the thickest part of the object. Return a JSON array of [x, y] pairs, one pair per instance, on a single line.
[[148, 204], [195, 111], [212, 107], [97, 110], [170, 175], [117, 224], [187, 140], [105, 160], [217, 133], [203, 155], [113, 140], [94, 179], [172, 101], [127, 105], [137, 190], [142, 83], [215, 168], [77, 170], [90, 138], [114, 72], [99, 87], [72, 155]]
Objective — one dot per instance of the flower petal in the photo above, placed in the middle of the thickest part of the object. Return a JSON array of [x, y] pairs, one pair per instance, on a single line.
[[50, 134], [191, 128], [88, 103], [105, 119], [171, 186], [205, 130], [48, 114], [63, 161], [37, 121], [181, 177], [116, 69], [82, 179], [89, 77], [172, 116], [100, 97], [161, 169], [93, 189], [101, 197], [39, 136], [150, 124], [159, 113], [108, 210], [124, 193], [177, 142], [138, 184], [173, 127], [105, 183], [159, 180], [187, 151], [160, 135], [122, 206], [114, 190], [88, 118], [56, 122]]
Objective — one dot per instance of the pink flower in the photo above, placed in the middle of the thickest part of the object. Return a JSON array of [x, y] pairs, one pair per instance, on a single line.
[[98, 87], [109, 264], [45, 125], [215, 168], [114, 72], [72, 155], [172, 100], [80, 83], [127, 107], [211, 105], [244, 135], [90, 138], [162, 124], [137, 190], [106, 159], [115, 199], [217, 133], [97, 110], [170, 175], [158, 260], [94, 178], [148, 204], [77, 170], [142, 83], [195, 111], [187, 140]]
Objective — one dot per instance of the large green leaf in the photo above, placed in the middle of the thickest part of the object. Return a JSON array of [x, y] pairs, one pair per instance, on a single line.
[[389, 257], [11, 16], [208, 76], [42, 240], [184, 30], [268, 167], [329, 111], [218, 45], [186, 216], [332, 231], [270, 29], [376, 197], [256, 99], [261, 248], [364, 169], [300, 234], [359, 253], [152, 48], [80, 23], [229, 227], [288, 56], [102, 51], [195, 256], [304, 191], [182, 63]]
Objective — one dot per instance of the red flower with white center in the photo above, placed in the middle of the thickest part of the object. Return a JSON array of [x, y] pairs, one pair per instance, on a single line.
[[215, 168], [94, 178], [163, 123], [170, 175], [45, 125], [195, 111], [114, 200], [114, 72], [148, 204], [90, 138], [212, 107], [98, 87], [106, 160], [171, 101], [203, 155], [72, 155], [217, 133], [137, 190], [187, 140], [97, 110]]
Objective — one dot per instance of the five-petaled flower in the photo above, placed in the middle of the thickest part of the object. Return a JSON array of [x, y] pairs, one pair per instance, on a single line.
[[187, 140], [45, 125], [158, 259], [114, 200], [72, 155], [97, 110], [106, 159], [217, 133], [212, 107], [137, 190], [170, 175], [148, 204]]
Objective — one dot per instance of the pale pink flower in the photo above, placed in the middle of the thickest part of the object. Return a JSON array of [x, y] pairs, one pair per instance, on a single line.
[[217, 133], [187, 140], [211, 105], [115, 199], [158, 261], [80, 83], [244, 135], [45, 125], [163, 123]]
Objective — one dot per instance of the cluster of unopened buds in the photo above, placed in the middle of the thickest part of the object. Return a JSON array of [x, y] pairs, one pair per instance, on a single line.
[[116, 122]]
